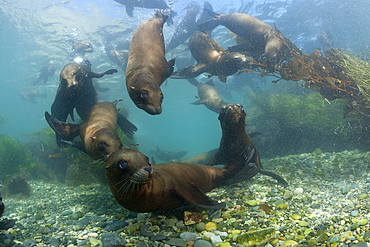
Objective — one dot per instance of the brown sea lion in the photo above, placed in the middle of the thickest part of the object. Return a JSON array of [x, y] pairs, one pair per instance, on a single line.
[[46, 71], [167, 155], [201, 159], [98, 132], [211, 58], [147, 67], [259, 36], [208, 96], [235, 139], [140, 187], [80, 49], [148, 4]]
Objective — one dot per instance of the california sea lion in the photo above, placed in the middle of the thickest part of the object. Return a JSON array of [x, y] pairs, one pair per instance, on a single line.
[[167, 155], [140, 187], [46, 71], [211, 58], [235, 139], [79, 49], [98, 132], [208, 95], [201, 159], [186, 27], [259, 36], [148, 4], [147, 66]]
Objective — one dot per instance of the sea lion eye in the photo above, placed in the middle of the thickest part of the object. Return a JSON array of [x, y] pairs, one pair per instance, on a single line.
[[241, 107], [102, 145], [162, 99], [121, 146], [144, 95], [122, 164], [148, 161], [222, 110]]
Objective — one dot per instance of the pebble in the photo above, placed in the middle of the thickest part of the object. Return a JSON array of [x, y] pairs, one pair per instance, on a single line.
[[202, 243], [298, 191], [354, 213]]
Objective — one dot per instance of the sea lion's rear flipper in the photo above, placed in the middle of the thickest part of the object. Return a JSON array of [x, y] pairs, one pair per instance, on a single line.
[[279, 178], [194, 195], [198, 102], [79, 145], [212, 24], [95, 75], [66, 130], [130, 11], [126, 126], [189, 72]]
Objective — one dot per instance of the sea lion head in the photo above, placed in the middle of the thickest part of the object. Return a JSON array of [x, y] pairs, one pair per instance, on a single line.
[[72, 74], [126, 169], [83, 47], [103, 144], [274, 50], [231, 115], [146, 95]]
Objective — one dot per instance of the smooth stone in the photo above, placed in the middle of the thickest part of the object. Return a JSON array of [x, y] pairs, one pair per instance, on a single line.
[[360, 244], [200, 227], [44, 230], [363, 222], [94, 241], [98, 218], [141, 217], [76, 215], [54, 242], [303, 223], [298, 191], [101, 211], [315, 205], [110, 242], [287, 195], [143, 244], [202, 243], [252, 203], [67, 212], [281, 206], [215, 240], [188, 236], [158, 237], [290, 243], [114, 226], [176, 242], [354, 213]]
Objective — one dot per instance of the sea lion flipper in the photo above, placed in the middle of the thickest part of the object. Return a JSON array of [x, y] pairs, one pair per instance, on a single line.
[[171, 66], [95, 75], [190, 71], [66, 130], [130, 11], [198, 102], [126, 126], [194, 195], [279, 178], [79, 145]]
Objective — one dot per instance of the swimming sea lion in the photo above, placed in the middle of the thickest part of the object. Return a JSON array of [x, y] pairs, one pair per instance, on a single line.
[[208, 96], [76, 90], [2, 207], [186, 27], [211, 58], [79, 49], [167, 155], [148, 4], [98, 132], [140, 187], [259, 36], [201, 159], [46, 71], [147, 66], [235, 139]]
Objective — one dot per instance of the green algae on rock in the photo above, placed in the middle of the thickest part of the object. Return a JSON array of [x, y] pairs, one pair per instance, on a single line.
[[258, 237]]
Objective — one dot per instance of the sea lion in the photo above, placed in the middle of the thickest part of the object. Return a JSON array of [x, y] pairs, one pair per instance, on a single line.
[[211, 58], [208, 96], [147, 67], [46, 71], [80, 49], [76, 90], [186, 27], [259, 36], [148, 4], [2, 207], [98, 132], [167, 155], [140, 187], [201, 159], [235, 139], [119, 58]]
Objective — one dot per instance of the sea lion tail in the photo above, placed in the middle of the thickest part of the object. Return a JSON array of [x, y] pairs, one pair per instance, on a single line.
[[279, 178], [108, 72], [66, 130]]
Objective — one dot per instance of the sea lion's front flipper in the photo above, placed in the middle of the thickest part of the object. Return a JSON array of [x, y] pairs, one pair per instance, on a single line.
[[95, 75], [126, 126], [66, 130], [189, 72], [171, 66], [194, 195], [279, 178], [242, 163], [79, 145], [130, 11]]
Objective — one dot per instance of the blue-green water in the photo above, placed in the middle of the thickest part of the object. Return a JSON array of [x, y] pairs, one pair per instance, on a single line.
[[34, 32]]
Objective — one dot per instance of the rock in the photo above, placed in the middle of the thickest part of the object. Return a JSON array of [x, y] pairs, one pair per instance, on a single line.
[[54, 242], [44, 230], [158, 237], [298, 191], [287, 195], [354, 213], [315, 205], [281, 206], [211, 226], [360, 244], [202, 243], [290, 243], [296, 216], [215, 240], [141, 217], [114, 226], [66, 212], [176, 242], [258, 237], [76, 215], [200, 227], [303, 223], [252, 203], [188, 236]]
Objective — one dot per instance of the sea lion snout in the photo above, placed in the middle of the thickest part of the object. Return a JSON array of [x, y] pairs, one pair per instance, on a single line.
[[232, 113]]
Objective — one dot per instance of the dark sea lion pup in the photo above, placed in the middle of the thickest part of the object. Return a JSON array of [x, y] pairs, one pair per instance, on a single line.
[[147, 67], [235, 139], [140, 187], [98, 132]]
